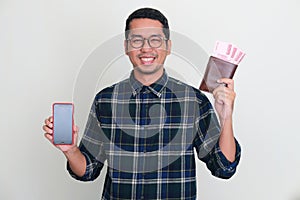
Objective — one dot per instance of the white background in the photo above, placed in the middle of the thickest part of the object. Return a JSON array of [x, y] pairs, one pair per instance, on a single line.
[[43, 45]]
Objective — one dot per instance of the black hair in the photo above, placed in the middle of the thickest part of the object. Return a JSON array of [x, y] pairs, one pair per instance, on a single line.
[[149, 13]]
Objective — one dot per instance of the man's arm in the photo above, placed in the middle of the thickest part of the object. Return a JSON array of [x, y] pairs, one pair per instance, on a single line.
[[224, 103], [223, 157], [77, 161]]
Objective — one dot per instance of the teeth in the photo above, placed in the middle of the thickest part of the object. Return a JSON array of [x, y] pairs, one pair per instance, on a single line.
[[147, 59]]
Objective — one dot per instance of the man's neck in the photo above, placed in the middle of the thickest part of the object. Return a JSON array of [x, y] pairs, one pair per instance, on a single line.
[[148, 79]]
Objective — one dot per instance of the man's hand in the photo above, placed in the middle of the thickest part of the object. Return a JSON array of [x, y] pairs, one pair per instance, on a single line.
[[74, 156], [48, 128], [224, 99]]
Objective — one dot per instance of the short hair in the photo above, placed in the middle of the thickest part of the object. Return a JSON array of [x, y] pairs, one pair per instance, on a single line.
[[148, 13]]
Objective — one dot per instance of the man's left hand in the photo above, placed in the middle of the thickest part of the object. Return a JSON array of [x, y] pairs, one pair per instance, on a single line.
[[224, 98]]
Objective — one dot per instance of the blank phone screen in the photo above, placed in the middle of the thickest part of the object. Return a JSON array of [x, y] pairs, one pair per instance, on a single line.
[[63, 118]]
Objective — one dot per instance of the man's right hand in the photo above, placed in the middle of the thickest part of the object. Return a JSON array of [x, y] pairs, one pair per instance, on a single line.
[[74, 156], [48, 128]]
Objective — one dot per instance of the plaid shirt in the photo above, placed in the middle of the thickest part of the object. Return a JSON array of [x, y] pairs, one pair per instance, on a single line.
[[147, 135]]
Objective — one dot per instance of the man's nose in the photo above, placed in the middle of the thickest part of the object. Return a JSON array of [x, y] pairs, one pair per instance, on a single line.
[[146, 46]]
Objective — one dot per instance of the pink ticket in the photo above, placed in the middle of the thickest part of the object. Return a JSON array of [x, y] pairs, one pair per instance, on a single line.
[[228, 52]]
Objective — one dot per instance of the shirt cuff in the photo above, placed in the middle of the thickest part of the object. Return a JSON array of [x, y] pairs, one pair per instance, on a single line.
[[227, 168], [85, 177]]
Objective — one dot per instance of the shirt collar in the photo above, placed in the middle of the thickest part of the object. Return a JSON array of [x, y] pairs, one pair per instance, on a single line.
[[156, 88]]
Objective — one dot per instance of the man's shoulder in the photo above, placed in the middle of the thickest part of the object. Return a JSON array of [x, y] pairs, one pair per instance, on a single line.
[[107, 92]]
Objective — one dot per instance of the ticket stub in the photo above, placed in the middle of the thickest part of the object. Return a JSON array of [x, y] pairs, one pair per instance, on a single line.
[[228, 52]]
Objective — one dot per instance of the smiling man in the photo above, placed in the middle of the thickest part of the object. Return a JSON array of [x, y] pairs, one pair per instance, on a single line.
[[147, 126], [147, 48]]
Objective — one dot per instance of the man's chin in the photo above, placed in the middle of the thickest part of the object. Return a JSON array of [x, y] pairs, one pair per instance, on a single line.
[[148, 69]]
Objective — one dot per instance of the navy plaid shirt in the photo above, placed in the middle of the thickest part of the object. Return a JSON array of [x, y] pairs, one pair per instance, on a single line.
[[147, 135]]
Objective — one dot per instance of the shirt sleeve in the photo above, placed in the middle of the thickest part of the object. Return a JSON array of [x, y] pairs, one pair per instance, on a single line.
[[206, 142], [91, 146], [219, 165]]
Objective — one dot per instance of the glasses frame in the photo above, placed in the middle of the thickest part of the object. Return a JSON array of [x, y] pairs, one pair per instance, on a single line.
[[148, 41]]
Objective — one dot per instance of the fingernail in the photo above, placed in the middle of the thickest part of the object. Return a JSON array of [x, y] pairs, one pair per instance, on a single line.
[[218, 81]]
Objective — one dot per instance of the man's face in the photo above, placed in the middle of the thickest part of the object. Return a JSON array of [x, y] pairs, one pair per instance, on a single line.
[[147, 59]]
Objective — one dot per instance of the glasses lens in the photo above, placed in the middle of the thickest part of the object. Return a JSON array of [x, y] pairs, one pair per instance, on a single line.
[[155, 41], [136, 42]]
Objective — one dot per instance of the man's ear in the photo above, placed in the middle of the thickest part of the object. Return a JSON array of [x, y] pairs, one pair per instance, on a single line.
[[169, 46], [126, 47]]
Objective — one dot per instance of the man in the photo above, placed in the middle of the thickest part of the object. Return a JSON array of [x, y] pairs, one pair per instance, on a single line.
[[147, 126]]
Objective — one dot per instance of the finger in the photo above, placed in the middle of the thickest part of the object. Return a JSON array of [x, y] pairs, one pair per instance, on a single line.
[[48, 122], [229, 82], [49, 119], [224, 94], [49, 137], [75, 129], [220, 89], [47, 129], [220, 97]]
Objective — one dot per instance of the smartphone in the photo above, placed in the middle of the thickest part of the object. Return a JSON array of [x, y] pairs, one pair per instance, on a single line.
[[63, 123]]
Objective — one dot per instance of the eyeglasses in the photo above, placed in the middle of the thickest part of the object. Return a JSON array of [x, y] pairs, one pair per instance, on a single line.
[[154, 41]]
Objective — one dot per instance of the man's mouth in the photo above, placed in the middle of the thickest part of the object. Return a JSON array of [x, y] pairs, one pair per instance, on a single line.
[[147, 60]]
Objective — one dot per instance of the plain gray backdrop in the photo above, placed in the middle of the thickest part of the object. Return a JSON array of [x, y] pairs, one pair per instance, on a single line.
[[44, 44]]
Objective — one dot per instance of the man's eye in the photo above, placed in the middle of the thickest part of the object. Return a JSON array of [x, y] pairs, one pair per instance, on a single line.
[[155, 40], [137, 40]]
